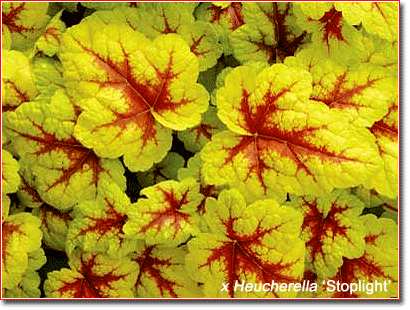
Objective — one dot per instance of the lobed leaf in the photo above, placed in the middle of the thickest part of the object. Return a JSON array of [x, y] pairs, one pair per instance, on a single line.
[[162, 273], [98, 225], [49, 42], [134, 88], [65, 171], [332, 230], [168, 215], [10, 179], [93, 276], [279, 141], [256, 243]]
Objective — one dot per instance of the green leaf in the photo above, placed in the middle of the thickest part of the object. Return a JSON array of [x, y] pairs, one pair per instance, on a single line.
[[332, 229], [131, 90], [256, 243], [17, 80], [65, 171], [25, 21], [279, 141], [49, 42], [168, 215], [162, 273], [98, 225], [21, 236], [93, 276], [9, 173]]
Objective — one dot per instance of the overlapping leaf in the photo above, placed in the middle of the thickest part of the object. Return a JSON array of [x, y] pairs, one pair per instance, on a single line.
[[17, 80], [386, 182], [257, 243], [134, 87], [279, 141], [21, 236], [48, 77], [25, 21], [98, 224], [269, 33], [331, 34], [65, 171], [195, 138], [162, 273], [10, 179], [93, 276], [361, 93], [332, 230], [54, 226], [49, 42], [378, 263], [165, 170], [168, 215], [379, 18]]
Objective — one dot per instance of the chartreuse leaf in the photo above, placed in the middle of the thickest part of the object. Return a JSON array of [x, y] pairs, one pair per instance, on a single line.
[[29, 285], [17, 80], [25, 21], [65, 171], [10, 179], [374, 202], [98, 224], [360, 93], [5, 206], [168, 215], [48, 77], [21, 236], [378, 263], [165, 170], [132, 88], [256, 243], [279, 141], [269, 33], [331, 34], [162, 273], [93, 276], [104, 5], [332, 229], [49, 42], [27, 193], [379, 18], [225, 16], [54, 226], [195, 138], [386, 181]]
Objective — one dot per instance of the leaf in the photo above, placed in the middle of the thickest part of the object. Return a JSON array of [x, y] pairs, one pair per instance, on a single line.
[[379, 18], [195, 138], [20, 237], [48, 77], [10, 179], [256, 243], [25, 21], [386, 182], [17, 80], [225, 17], [269, 33], [65, 171], [331, 34], [165, 170], [168, 215], [93, 276], [29, 285], [378, 263], [49, 42], [332, 229], [134, 89], [162, 273], [361, 93], [27, 193], [54, 226], [279, 141], [98, 225]]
